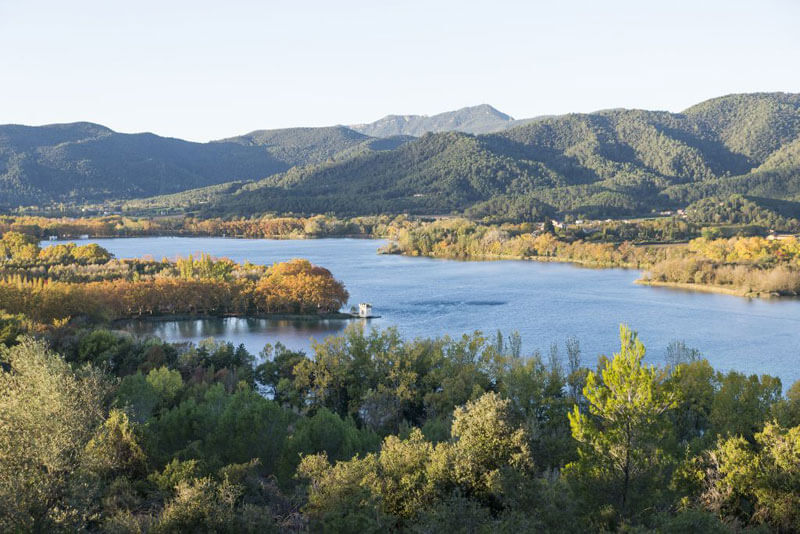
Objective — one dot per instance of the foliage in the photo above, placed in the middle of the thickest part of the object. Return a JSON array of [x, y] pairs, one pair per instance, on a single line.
[[623, 432], [48, 416], [374, 433]]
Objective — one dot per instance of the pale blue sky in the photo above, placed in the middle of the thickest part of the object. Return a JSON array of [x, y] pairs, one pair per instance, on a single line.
[[205, 70]]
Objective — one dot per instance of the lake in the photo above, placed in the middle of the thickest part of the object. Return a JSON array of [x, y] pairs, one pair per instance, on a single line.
[[544, 302]]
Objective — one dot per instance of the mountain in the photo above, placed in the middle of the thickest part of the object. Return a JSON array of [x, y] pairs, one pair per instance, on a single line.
[[88, 162], [475, 120], [609, 163], [84, 161], [616, 162], [302, 146]]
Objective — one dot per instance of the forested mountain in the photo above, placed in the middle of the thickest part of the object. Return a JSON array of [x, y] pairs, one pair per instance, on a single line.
[[609, 163], [303, 146], [613, 162], [475, 120], [87, 162], [84, 161]]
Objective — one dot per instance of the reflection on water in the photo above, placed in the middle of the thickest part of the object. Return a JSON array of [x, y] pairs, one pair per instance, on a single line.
[[253, 333], [545, 302]]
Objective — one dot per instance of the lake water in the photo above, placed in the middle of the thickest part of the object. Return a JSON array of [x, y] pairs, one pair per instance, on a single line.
[[545, 302]]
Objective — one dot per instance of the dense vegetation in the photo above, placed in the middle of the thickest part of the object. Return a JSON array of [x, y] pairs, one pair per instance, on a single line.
[[737, 209], [62, 282], [751, 265], [257, 227], [372, 433]]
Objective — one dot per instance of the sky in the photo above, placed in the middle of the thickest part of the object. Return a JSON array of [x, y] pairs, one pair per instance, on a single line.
[[203, 70]]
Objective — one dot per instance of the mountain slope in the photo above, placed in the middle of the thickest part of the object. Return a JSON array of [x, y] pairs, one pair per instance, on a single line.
[[609, 163], [84, 161], [302, 146], [87, 162], [614, 162]]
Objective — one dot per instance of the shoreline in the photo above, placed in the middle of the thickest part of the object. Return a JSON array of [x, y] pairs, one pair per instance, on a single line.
[[721, 290], [587, 264], [335, 316], [712, 289]]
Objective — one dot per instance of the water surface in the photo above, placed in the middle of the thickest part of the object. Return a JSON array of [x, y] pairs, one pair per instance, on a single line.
[[545, 302]]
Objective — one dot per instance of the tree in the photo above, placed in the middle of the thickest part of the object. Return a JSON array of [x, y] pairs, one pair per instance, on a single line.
[[340, 496], [114, 448], [486, 441], [757, 484], [622, 436], [742, 403], [19, 246], [48, 414], [325, 432]]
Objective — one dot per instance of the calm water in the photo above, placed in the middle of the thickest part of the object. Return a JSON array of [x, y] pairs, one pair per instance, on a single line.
[[545, 302]]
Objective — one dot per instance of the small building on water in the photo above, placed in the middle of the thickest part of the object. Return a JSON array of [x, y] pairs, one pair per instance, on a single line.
[[364, 309]]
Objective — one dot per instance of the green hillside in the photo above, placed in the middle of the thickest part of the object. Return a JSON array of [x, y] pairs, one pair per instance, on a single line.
[[85, 162], [608, 163], [302, 146]]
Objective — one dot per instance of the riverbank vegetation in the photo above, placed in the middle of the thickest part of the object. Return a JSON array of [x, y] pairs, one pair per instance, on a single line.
[[56, 283], [103, 432], [739, 265], [269, 226], [748, 266]]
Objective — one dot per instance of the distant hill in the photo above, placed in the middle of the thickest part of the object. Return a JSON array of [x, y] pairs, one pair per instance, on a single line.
[[302, 146], [475, 120], [609, 163]]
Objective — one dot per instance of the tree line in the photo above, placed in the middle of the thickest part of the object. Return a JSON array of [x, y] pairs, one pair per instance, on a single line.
[[104, 432]]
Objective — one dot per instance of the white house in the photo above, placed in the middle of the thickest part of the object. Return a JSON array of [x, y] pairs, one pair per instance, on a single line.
[[364, 309]]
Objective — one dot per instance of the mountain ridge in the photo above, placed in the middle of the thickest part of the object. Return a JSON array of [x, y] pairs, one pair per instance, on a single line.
[[614, 162], [617, 162], [479, 119]]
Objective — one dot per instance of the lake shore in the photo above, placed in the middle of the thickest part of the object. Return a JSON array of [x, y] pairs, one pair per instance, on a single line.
[[705, 288], [309, 317], [712, 289]]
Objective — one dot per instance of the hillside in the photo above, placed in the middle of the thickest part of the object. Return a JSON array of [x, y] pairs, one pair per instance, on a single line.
[[608, 163], [475, 120], [302, 146], [84, 162]]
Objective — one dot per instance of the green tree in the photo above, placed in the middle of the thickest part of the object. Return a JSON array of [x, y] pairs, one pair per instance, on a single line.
[[487, 440], [114, 449], [340, 496], [742, 403], [621, 457], [757, 483], [48, 415]]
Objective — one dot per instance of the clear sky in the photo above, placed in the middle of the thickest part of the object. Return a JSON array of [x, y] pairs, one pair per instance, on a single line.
[[203, 70]]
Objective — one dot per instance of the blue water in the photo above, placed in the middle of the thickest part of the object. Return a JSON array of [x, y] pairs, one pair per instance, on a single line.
[[545, 302]]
